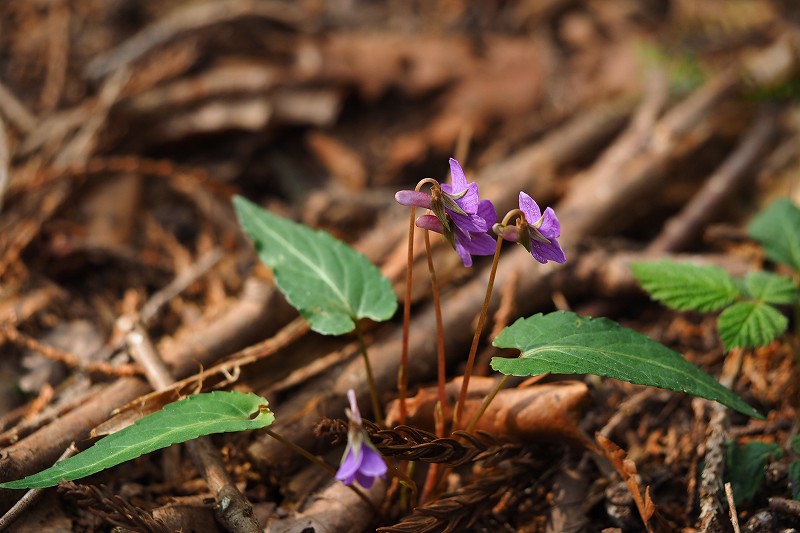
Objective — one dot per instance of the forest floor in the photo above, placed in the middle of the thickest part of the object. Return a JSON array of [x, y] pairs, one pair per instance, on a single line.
[[654, 129]]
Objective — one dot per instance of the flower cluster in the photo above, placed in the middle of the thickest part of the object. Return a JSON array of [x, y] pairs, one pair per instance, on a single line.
[[361, 461], [464, 219], [535, 231], [458, 214]]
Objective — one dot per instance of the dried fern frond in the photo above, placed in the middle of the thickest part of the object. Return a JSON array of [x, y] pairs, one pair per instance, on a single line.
[[112, 508], [459, 511], [412, 444]]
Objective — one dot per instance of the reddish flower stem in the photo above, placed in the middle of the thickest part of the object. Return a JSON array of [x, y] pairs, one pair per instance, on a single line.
[[402, 373], [486, 402], [462, 395], [441, 377]]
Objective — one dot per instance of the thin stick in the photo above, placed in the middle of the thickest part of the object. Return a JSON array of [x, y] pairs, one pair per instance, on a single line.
[[402, 373], [12, 334], [373, 388], [31, 496], [716, 193], [15, 111], [462, 396], [732, 508], [180, 283], [5, 161]]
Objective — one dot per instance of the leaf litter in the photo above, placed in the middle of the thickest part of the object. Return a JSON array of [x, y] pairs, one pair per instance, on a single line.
[[127, 126]]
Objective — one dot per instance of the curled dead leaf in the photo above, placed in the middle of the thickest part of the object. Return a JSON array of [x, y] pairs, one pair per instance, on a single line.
[[550, 412]]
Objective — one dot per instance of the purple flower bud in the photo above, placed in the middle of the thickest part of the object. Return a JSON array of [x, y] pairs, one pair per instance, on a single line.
[[508, 233], [413, 198]]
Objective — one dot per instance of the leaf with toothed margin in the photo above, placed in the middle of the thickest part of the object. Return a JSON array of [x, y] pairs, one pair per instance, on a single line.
[[565, 343], [187, 419], [329, 283]]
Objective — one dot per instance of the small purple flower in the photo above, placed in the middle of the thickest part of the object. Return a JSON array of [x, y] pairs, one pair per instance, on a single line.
[[458, 214], [537, 232], [361, 461]]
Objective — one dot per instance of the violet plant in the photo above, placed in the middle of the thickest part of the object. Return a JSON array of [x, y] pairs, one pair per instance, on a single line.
[[334, 287]]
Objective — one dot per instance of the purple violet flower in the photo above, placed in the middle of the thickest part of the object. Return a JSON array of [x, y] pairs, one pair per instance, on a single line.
[[361, 461], [458, 214], [537, 232]]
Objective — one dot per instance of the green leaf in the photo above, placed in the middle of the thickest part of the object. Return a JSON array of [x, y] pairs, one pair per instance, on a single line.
[[686, 287], [196, 415], [750, 324], [565, 343], [770, 288], [794, 468], [777, 228], [328, 282], [794, 477], [744, 467]]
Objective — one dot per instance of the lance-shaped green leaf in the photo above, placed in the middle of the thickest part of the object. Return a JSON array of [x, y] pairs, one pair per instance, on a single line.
[[750, 324], [187, 419], [685, 287], [777, 228], [770, 288], [565, 343], [328, 282]]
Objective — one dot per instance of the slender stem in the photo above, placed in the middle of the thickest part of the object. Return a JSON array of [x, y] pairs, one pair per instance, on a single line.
[[402, 374], [404, 478], [373, 387], [319, 462], [486, 402], [442, 376], [462, 396], [302, 451], [432, 479]]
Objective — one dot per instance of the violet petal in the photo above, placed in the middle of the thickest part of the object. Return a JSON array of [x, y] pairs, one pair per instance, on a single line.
[[349, 467], [459, 180], [487, 212], [481, 244], [529, 208], [550, 227]]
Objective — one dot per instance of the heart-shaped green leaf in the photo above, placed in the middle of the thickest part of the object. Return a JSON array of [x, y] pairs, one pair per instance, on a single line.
[[187, 419], [328, 282], [686, 287], [565, 343]]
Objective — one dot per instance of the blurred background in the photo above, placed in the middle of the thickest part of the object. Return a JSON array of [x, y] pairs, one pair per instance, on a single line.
[[126, 125]]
